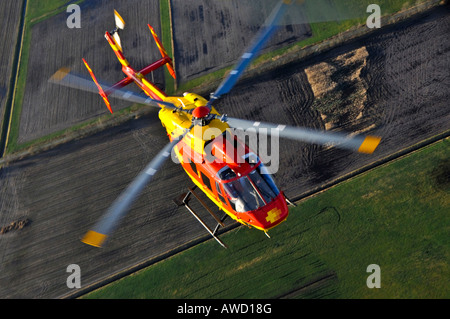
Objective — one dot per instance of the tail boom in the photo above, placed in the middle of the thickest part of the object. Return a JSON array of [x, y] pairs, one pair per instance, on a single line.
[[124, 82], [117, 49], [132, 75]]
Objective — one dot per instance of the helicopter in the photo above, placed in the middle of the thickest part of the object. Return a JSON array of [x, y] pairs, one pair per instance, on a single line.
[[221, 165]]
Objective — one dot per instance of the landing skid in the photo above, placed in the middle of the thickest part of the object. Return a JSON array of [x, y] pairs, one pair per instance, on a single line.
[[289, 202], [183, 200]]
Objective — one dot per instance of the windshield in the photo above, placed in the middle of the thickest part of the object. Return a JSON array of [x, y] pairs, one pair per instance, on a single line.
[[242, 195], [251, 192], [264, 183]]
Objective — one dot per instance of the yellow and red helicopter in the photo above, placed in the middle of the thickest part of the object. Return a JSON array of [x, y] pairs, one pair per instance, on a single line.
[[230, 174]]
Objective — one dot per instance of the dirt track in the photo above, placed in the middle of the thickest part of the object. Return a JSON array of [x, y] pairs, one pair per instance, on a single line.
[[63, 191]]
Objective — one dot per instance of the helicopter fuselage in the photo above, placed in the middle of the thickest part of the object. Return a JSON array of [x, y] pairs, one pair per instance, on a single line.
[[230, 174], [226, 170]]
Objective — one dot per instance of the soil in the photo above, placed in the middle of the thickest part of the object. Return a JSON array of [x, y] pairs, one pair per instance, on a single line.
[[54, 45], [404, 82], [222, 29], [48, 108], [398, 84]]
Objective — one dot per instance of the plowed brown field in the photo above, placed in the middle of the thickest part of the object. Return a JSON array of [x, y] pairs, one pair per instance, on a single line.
[[48, 108]]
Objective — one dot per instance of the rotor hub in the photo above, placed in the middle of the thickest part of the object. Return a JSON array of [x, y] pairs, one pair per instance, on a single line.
[[200, 112]]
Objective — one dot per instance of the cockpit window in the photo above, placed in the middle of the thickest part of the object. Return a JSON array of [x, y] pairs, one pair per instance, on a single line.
[[242, 195], [251, 158], [226, 173], [265, 175], [252, 191], [264, 184]]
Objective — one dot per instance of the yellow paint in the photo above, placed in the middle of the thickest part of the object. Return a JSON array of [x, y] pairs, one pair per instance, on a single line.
[[114, 46], [369, 144], [152, 88], [123, 62], [176, 122], [94, 239], [60, 74], [273, 215]]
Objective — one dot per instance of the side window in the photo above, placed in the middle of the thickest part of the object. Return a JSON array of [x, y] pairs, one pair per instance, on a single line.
[[206, 181], [193, 168], [219, 192]]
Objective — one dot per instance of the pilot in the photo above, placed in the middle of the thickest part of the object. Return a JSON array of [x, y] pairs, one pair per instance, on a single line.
[[234, 191]]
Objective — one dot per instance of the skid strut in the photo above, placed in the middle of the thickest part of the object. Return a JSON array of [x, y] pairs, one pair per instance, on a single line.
[[183, 201], [289, 202]]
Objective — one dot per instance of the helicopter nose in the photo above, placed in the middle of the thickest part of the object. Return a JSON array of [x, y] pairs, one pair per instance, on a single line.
[[274, 215], [271, 215]]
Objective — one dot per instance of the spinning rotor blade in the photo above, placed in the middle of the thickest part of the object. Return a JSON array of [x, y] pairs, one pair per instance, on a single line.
[[108, 223], [64, 78], [289, 12], [316, 11], [363, 144], [120, 23], [250, 54]]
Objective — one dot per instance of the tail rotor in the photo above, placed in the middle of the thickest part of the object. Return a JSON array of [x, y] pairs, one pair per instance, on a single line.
[[120, 25]]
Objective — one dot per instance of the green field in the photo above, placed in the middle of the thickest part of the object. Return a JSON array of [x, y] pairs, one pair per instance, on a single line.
[[395, 216]]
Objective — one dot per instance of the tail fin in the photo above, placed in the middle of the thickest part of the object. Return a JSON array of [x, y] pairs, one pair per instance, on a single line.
[[102, 93], [163, 51]]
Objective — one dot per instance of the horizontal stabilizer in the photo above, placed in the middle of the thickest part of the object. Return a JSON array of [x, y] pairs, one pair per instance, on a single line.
[[163, 51], [100, 90]]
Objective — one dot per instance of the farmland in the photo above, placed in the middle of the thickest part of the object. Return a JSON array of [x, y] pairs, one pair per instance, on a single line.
[[220, 44], [394, 75], [9, 51], [40, 113], [394, 91]]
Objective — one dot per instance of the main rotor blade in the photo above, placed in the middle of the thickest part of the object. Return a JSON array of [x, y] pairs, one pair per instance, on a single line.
[[363, 144], [261, 38], [80, 82], [290, 12], [316, 11], [108, 223]]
